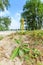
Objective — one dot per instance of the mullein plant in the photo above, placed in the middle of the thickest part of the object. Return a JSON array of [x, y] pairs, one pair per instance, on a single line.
[[21, 24]]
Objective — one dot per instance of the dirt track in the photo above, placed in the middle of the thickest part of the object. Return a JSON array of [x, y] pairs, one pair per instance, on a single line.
[[4, 33], [6, 47]]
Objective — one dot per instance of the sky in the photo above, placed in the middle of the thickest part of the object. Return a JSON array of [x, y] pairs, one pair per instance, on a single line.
[[14, 12]]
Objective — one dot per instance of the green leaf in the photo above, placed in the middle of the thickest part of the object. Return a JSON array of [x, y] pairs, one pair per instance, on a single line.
[[21, 53], [36, 52], [25, 44], [26, 49], [15, 53], [17, 41]]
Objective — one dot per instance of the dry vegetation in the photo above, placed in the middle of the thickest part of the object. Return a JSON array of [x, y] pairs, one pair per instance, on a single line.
[[30, 45]]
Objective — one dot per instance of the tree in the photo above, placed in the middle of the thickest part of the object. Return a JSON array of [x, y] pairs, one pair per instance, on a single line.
[[4, 21], [4, 4], [33, 14]]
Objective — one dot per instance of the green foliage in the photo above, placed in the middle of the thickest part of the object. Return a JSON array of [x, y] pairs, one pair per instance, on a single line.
[[32, 14], [26, 50], [3, 4], [14, 53], [36, 52], [18, 41], [4, 23], [36, 34], [39, 35], [23, 51]]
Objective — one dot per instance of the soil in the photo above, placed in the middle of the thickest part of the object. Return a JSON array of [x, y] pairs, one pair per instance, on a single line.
[[7, 44]]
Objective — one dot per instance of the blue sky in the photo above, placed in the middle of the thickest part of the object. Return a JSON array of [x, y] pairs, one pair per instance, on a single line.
[[15, 9], [16, 6]]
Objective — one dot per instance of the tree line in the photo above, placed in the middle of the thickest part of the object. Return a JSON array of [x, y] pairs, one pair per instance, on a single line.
[[33, 14], [31, 17], [4, 20]]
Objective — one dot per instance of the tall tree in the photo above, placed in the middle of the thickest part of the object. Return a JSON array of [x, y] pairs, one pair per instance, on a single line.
[[33, 14], [4, 21]]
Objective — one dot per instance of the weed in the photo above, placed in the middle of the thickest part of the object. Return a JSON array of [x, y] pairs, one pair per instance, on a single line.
[[36, 52], [23, 50]]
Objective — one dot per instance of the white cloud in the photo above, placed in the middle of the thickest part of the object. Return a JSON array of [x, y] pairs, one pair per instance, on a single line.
[[4, 13], [15, 21], [18, 16], [15, 24]]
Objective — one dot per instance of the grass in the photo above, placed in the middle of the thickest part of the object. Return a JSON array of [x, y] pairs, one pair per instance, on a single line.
[[1, 37], [29, 32]]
